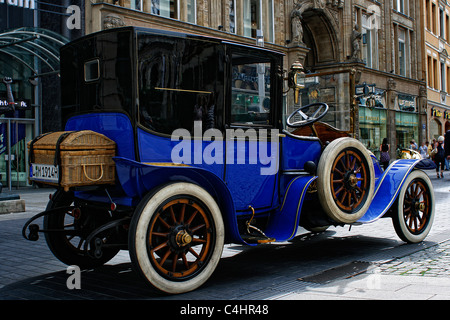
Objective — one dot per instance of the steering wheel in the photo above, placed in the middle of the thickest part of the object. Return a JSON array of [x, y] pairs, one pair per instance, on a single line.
[[308, 114]]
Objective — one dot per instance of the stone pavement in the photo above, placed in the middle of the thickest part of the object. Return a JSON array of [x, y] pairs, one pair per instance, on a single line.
[[387, 270]]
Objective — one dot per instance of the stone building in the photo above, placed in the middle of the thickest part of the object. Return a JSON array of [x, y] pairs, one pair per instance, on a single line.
[[361, 56], [437, 47]]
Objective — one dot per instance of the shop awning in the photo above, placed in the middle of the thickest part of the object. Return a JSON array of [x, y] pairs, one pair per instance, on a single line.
[[33, 48]]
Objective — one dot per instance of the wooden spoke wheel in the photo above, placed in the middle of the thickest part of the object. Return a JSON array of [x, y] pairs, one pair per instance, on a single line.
[[346, 180], [349, 179], [180, 237], [74, 227], [414, 213], [176, 237]]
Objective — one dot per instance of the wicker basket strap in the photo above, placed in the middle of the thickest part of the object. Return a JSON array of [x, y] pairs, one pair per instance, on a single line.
[[30, 151], [58, 147]]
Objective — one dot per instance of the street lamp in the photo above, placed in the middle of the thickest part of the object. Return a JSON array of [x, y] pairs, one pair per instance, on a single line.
[[297, 79]]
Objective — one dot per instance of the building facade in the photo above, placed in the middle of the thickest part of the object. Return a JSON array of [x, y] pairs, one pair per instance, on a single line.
[[31, 33], [436, 15]]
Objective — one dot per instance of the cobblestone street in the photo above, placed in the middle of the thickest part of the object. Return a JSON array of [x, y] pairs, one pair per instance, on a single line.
[[431, 262]]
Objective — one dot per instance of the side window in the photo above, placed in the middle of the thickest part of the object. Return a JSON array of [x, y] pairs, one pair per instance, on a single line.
[[179, 83], [250, 92]]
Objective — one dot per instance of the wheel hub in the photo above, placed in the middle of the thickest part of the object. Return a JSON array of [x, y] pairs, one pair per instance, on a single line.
[[183, 238], [350, 180], [180, 239], [418, 206]]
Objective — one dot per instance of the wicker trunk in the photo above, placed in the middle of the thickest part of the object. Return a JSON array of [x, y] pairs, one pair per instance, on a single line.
[[83, 158]]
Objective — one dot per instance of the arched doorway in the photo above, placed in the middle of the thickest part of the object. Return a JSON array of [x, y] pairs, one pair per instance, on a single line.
[[435, 128], [318, 32]]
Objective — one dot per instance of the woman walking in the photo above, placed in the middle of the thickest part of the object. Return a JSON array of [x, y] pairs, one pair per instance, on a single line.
[[439, 157], [384, 157]]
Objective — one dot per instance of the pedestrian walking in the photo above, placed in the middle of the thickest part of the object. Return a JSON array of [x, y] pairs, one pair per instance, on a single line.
[[384, 153], [413, 145], [439, 156], [423, 149]]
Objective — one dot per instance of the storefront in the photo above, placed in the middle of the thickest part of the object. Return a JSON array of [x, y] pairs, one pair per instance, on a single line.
[[27, 56], [406, 121], [372, 116], [407, 128], [372, 126]]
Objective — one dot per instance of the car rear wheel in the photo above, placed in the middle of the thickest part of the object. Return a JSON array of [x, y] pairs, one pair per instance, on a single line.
[[346, 180], [414, 212], [176, 238], [71, 229]]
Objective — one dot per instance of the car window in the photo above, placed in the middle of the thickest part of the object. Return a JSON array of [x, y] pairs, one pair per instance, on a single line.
[[179, 83], [250, 92]]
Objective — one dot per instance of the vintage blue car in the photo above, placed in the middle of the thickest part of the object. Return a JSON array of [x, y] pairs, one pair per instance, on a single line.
[[206, 154]]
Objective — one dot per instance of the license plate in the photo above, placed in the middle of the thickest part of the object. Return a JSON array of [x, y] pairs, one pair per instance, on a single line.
[[44, 172]]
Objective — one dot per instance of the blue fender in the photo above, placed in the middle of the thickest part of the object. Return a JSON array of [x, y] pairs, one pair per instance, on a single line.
[[387, 188], [137, 179], [283, 224]]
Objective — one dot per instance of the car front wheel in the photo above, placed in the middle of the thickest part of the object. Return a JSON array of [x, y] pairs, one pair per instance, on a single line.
[[414, 211]]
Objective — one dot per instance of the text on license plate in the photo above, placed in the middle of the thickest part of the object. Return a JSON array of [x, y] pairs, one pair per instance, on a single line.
[[44, 172]]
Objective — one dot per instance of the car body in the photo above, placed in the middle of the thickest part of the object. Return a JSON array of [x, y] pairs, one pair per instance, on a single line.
[[204, 158]]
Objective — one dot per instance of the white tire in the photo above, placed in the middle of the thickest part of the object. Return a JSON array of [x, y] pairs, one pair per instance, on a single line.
[[176, 238], [346, 180], [414, 212]]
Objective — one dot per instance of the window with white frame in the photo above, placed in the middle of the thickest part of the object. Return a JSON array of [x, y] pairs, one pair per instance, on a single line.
[[165, 8], [251, 17], [402, 6], [136, 5], [443, 78], [258, 15], [188, 11], [402, 51], [233, 16], [369, 41]]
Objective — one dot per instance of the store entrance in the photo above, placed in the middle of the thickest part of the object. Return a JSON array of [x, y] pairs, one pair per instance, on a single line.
[[14, 135]]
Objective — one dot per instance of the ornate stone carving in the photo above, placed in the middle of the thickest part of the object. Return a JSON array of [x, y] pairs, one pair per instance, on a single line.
[[112, 21], [296, 24], [356, 43]]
